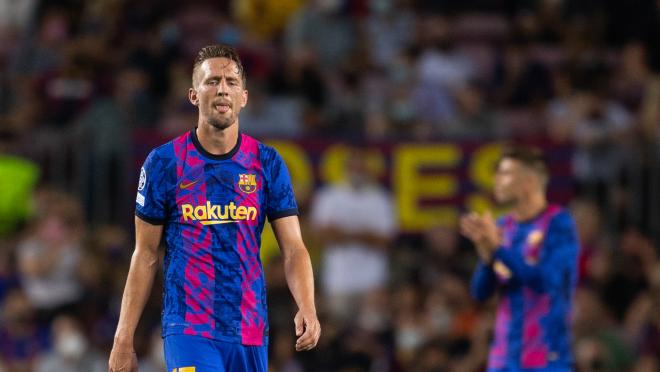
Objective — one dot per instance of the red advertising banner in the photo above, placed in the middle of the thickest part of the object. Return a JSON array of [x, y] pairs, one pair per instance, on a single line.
[[431, 183]]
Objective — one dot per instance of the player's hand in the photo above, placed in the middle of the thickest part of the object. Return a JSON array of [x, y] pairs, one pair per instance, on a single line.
[[122, 360], [491, 233], [483, 232], [308, 330]]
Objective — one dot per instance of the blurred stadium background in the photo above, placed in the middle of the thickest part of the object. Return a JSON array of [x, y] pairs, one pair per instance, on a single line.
[[411, 99]]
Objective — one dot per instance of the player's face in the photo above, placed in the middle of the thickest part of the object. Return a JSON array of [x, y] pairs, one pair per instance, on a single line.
[[218, 92], [509, 179]]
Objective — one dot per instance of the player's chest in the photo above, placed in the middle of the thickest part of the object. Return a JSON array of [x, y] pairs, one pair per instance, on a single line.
[[526, 241], [218, 193]]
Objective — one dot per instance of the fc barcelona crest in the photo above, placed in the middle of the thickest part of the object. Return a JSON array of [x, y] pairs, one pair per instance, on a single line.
[[535, 237], [247, 183]]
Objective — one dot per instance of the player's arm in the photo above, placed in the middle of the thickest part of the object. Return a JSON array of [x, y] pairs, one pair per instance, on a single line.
[[300, 278], [558, 261], [144, 265], [484, 234], [483, 282]]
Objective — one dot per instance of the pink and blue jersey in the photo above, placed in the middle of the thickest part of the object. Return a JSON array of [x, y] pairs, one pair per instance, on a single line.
[[213, 208], [535, 273]]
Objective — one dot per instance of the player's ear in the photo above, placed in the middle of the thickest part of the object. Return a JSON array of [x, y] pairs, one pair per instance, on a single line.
[[245, 98], [192, 96]]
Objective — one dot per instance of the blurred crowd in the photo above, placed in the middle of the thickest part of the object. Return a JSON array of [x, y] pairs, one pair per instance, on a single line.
[[84, 83]]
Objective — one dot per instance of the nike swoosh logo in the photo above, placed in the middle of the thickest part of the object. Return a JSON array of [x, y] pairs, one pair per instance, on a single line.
[[186, 185]]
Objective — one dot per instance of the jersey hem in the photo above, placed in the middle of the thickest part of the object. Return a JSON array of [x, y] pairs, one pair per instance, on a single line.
[[151, 220], [233, 339]]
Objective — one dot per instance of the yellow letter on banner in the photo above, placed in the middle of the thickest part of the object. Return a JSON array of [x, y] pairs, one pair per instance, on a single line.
[[482, 165], [482, 168], [300, 168], [410, 186]]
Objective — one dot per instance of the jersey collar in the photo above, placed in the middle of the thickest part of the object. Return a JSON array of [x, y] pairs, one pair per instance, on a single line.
[[229, 155]]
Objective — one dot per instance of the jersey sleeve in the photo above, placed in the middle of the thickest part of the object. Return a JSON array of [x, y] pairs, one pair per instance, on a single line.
[[281, 201], [483, 282], [557, 267], [150, 203]]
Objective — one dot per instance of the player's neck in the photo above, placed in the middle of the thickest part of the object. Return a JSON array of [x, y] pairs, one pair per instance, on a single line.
[[528, 209], [217, 141]]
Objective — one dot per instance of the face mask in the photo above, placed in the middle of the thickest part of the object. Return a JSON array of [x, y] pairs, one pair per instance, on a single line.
[[373, 321], [409, 338], [71, 346], [440, 319]]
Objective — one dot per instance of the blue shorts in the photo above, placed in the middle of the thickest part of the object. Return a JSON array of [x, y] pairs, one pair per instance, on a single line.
[[184, 353]]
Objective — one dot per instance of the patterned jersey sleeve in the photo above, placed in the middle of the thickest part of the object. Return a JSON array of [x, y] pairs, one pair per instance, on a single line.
[[281, 201], [560, 263], [150, 202], [483, 282]]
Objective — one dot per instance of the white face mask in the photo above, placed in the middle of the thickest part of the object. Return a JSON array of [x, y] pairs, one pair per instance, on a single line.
[[409, 338], [71, 346], [440, 319], [371, 320]]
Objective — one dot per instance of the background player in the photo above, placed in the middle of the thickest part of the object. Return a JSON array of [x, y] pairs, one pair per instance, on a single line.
[[530, 257], [208, 192]]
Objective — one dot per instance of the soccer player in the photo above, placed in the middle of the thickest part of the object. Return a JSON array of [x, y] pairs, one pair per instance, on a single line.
[[208, 192], [529, 257]]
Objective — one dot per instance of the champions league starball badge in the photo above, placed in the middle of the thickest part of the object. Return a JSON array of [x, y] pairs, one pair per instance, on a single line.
[[143, 179]]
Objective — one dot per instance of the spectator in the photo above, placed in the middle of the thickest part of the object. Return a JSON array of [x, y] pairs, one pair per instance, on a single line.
[[322, 28], [389, 27], [593, 241], [22, 340], [441, 70], [355, 249], [48, 257], [601, 129], [642, 320], [277, 116], [474, 118], [71, 350]]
